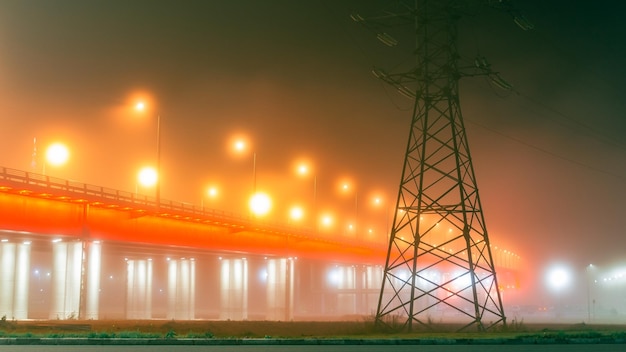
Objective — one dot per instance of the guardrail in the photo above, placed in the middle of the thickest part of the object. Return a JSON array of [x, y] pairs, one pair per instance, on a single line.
[[58, 187]]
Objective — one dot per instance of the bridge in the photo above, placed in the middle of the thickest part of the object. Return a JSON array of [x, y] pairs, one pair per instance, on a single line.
[[71, 250]]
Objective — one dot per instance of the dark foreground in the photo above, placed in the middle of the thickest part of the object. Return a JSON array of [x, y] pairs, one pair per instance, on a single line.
[[271, 333], [325, 348]]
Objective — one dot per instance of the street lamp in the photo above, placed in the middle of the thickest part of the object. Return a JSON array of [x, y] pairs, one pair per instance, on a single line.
[[141, 107], [378, 202], [240, 145], [147, 177], [212, 192], [303, 169], [346, 188], [558, 278], [260, 204], [326, 220], [57, 154], [588, 270], [296, 213]]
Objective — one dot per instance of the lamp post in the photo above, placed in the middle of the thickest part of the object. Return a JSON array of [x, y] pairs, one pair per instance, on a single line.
[[141, 106], [377, 202], [147, 177], [303, 169], [57, 154], [588, 270], [240, 145], [346, 188]]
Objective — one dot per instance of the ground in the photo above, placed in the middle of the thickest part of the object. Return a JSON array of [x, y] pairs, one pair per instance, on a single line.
[[276, 329]]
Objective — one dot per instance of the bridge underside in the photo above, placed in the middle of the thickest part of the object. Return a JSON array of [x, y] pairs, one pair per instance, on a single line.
[[79, 251]]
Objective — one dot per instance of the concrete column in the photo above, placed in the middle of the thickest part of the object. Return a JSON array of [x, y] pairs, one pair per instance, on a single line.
[[346, 296], [234, 289], [280, 274], [66, 275], [139, 289], [372, 281], [14, 279], [92, 285], [181, 289]]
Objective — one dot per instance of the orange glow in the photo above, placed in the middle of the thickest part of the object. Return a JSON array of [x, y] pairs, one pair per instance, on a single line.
[[57, 154], [147, 176], [260, 204], [327, 220], [303, 167], [212, 192], [346, 186], [296, 213], [239, 144], [140, 102]]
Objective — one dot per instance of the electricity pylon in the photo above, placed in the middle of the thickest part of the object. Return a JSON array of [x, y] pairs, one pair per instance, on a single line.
[[439, 263]]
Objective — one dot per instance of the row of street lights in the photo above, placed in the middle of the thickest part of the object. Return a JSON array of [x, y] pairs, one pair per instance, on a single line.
[[259, 203]]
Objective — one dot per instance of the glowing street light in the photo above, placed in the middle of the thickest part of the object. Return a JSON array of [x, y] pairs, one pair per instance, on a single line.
[[304, 169], [326, 220], [345, 187], [296, 213], [148, 176], [558, 277], [212, 193], [378, 202], [240, 145], [57, 154], [141, 106], [260, 204]]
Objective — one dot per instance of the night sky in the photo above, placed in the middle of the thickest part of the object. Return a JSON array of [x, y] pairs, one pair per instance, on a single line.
[[295, 78]]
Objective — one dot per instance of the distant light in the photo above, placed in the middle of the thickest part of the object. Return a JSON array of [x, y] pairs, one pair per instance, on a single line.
[[57, 154], [260, 204], [140, 106], [148, 176], [240, 145], [296, 213], [558, 278]]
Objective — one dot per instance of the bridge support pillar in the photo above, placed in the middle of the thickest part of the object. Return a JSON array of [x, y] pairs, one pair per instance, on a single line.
[[14, 279], [346, 296], [234, 289], [66, 279], [280, 283], [371, 279], [139, 289], [181, 288], [91, 286]]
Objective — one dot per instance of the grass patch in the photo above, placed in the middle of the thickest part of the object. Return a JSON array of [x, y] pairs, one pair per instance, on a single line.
[[363, 329]]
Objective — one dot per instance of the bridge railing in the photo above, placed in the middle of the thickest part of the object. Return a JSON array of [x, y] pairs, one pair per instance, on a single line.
[[49, 186]]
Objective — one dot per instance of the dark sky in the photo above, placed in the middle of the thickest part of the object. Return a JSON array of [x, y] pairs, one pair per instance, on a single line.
[[294, 76]]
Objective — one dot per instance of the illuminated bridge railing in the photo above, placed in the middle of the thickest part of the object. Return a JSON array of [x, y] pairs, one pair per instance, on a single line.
[[43, 186]]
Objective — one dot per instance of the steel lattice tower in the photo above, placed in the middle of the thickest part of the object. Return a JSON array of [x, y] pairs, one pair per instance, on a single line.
[[439, 260]]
